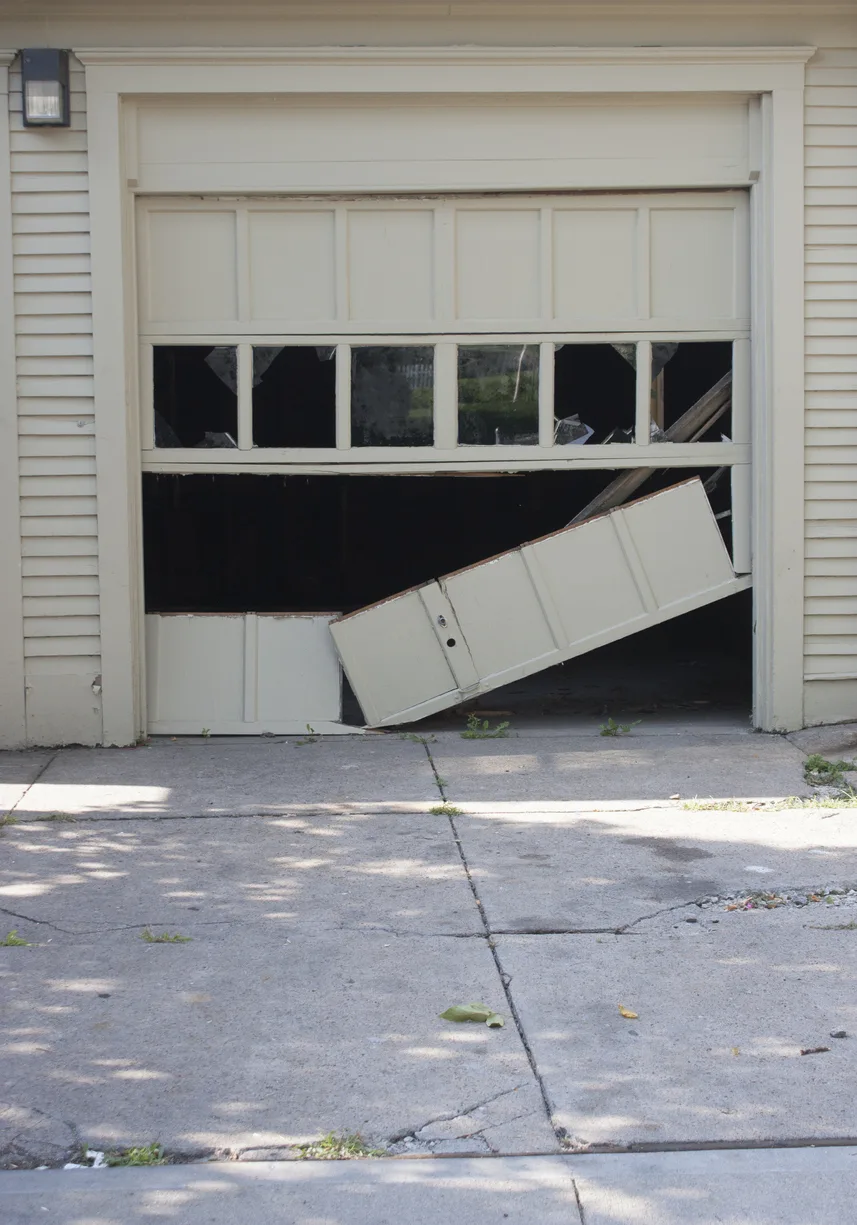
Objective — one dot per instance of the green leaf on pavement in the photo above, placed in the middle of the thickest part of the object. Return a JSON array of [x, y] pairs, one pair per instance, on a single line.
[[473, 1012]]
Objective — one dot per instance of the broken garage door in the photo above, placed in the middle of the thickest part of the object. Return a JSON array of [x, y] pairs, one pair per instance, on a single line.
[[510, 616]]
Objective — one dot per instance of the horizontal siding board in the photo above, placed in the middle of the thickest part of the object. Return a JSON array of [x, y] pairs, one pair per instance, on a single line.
[[60, 627], [29, 161], [51, 325], [59, 605], [62, 140], [54, 304], [55, 344], [56, 425], [55, 485], [57, 585], [56, 446], [61, 387], [70, 508], [59, 546], [36, 264], [838, 626], [55, 569], [48, 203], [42, 645], [828, 136], [54, 182], [59, 664], [824, 234], [834, 176], [69, 282], [45, 365], [65, 525], [50, 223], [56, 466]]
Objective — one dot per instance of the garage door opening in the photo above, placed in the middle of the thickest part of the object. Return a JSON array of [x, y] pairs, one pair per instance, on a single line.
[[223, 546]]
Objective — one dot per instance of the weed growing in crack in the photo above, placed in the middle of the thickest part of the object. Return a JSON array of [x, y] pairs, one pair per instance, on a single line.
[[164, 938], [56, 816], [8, 818], [784, 805], [483, 730], [415, 739], [612, 728], [13, 940], [144, 1154], [820, 772], [345, 1147], [446, 810], [311, 737]]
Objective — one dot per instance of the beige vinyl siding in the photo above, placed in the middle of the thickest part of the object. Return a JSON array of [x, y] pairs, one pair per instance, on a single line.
[[53, 310], [831, 385]]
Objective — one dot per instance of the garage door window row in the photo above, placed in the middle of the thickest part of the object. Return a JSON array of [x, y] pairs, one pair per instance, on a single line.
[[511, 393]]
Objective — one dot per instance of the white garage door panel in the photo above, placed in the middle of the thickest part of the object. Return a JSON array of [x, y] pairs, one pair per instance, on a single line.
[[595, 263], [584, 606], [536, 606], [500, 614], [242, 674], [393, 658], [291, 266], [400, 143]]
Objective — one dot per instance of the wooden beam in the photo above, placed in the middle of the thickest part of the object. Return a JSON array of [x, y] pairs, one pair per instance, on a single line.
[[689, 428]]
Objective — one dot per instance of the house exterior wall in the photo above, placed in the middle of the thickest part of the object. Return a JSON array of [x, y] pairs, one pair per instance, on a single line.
[[51, 619]]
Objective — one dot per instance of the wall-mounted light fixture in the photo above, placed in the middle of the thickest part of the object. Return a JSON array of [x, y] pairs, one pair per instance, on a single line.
[[44, 73]]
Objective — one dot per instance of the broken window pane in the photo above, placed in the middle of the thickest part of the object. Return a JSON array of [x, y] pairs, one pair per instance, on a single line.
[[294, 396], [595, 393], [682, 375], [498, 395], [196, 395], [392, 396]]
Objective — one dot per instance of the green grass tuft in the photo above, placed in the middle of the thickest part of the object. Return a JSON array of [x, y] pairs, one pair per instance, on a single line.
[[164, 938], [339, 1148]]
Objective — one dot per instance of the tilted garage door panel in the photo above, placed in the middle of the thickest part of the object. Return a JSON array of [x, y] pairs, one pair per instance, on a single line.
[[535, 606], [500, 615], [669, 547], [598, 592], [392, 657]]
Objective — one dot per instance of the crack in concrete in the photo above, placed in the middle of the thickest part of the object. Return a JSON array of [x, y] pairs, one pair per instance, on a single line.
[[103, 931], [504, 978], [455, 1114]]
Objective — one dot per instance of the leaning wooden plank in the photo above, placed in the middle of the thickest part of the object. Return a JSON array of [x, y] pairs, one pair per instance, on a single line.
[[535, 606], [689, 427]]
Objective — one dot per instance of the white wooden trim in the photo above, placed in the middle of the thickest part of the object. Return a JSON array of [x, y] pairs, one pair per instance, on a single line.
[[113, 319], [778, 415], [12, 706], [395, 460], [777, 306], [643, 410], [336, 459]]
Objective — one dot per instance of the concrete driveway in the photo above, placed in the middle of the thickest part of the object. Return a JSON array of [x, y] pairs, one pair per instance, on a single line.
[[327, 917]]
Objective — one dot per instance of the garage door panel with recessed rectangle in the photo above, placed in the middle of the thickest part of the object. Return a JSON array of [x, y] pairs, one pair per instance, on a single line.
[[390, 653]]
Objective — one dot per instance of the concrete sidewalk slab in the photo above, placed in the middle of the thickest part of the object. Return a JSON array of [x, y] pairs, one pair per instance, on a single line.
[[510, 1191], [17, 772], [207, 778], [724, 1012], [560, 871], [795, 1186], [246, 1038], [287, 874], [533, 770]]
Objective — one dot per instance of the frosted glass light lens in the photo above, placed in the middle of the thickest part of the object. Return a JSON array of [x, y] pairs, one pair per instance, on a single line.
[[43, 101]]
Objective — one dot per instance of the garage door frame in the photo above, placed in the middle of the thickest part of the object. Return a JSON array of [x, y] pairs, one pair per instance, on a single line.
[[776, 75]]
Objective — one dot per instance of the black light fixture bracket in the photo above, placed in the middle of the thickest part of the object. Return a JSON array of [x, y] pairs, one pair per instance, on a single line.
[[44, 79]]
